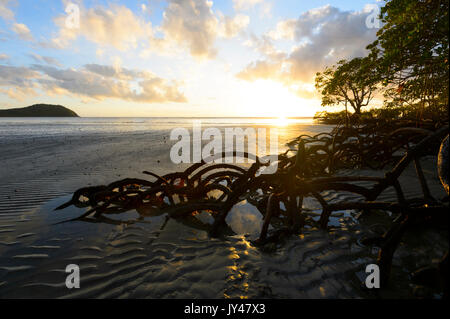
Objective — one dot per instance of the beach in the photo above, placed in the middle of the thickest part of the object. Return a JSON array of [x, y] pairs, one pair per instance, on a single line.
[[43, 163]]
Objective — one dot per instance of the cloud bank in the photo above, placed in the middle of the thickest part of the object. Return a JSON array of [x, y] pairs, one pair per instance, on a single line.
[[91, 81], [116, 26], [5, 12], [189, 24], [322, 37]]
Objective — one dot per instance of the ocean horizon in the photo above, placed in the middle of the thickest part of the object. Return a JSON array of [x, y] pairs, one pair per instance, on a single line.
[[47, 126]]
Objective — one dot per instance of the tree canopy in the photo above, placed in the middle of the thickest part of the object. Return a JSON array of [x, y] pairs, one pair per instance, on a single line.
[[350, 83], [412, 52], [408, 62]]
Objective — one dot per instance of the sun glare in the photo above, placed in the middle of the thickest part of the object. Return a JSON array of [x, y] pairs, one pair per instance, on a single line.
[[281, 121], [271, 99]]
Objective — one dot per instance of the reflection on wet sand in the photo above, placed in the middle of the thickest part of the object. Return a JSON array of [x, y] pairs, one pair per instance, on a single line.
[[144, 254]]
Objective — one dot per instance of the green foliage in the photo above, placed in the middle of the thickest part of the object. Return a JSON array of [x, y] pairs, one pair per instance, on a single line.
[[330, 117], [349, 83], [412, 54], [408, 62], [414, 113]]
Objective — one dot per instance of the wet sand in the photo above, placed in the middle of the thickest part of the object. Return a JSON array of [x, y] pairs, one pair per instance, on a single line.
[[159, 258]]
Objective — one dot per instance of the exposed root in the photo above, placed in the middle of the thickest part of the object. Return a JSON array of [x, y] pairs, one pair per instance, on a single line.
[[216, 188]]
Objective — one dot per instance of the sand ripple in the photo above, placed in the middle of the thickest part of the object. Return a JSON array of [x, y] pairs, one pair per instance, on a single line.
[[154, 259]]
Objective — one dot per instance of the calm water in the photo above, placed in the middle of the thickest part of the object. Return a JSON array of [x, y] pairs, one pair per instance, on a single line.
[[26, 127]]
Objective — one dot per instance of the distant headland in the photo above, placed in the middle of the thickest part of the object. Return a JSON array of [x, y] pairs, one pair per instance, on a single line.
[[39, 110]]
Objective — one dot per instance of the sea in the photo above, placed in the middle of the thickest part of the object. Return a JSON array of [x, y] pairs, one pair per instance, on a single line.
[[37, 127]]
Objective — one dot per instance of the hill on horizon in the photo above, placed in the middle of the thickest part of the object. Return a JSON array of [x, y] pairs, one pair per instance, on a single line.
[[39, 110]]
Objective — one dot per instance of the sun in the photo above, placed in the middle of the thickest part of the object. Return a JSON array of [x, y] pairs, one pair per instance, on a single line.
[[281, 121], [266, 98]]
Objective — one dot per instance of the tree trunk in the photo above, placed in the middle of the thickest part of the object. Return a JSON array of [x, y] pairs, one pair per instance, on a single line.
[[357, 109]]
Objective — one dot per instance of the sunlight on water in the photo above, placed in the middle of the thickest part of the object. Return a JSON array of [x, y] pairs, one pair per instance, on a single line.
[[281, 121], [21, 127]]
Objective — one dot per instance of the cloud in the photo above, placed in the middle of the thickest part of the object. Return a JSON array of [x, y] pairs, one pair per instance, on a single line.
[[285, 29], [265, 46], [22, 31], [232, 26], [18, 28], [19, 93], [265, 8], [186, 24], [44, 59], [117, 72], [101, 82], [17, 82], [261, 69], [4, 57], [192, 24], [16, 76], [91, 81], [115, 26], [5, 12], [322, 37], [245, 4]]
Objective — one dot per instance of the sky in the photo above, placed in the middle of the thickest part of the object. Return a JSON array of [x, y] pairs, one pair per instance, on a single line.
[[255, 58]]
